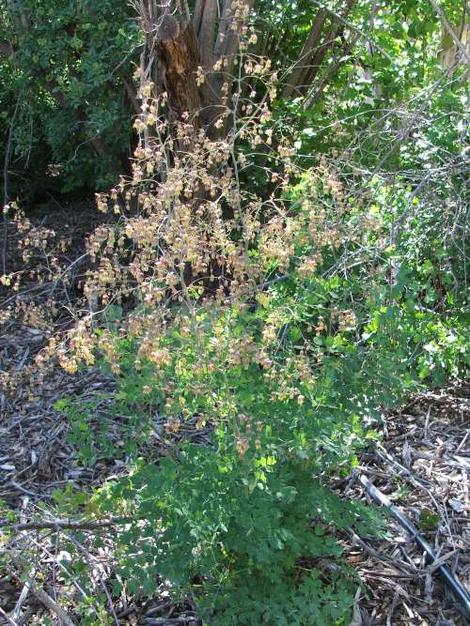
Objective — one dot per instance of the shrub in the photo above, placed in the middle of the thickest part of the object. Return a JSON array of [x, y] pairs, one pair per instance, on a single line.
[[280, 322], [286, 379], [66, 81]]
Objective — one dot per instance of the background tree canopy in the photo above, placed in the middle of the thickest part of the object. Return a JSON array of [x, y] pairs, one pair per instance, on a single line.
[[68, 89]]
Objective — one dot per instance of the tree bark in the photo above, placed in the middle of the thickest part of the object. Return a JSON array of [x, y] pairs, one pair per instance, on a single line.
[[178, 54], [303, 64], [205, 31]]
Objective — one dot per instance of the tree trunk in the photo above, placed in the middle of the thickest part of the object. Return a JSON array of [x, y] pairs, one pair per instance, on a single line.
[[178, 55], [204, 27], [315, 50], [296, 82], [177, 47]]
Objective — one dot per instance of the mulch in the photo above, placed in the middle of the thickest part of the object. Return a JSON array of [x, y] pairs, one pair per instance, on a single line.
[[422, 463]]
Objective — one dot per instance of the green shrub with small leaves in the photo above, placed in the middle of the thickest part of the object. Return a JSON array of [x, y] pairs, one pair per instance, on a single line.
[[63, 89], [275, 311], [287, 384]]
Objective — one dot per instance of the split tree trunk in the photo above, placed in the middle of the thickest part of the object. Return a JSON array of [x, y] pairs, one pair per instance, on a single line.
[[178, 55], [177, 47], [316, 48]]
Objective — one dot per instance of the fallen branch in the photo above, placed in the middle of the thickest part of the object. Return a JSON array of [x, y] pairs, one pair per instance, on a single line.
[[170, 621], [7, 618], [55, 608], [45, 598], [451, 581], [65, 524]]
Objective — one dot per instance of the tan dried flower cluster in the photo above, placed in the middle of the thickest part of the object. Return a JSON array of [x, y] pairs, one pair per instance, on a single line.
[[346, 320], [190, 231], [188, 234], [39, 249], [180, 211]]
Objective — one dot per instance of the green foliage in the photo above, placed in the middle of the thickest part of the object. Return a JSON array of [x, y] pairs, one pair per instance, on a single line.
[[428, 521], [235, 530], [288, 385], [386, 96], [66, 82], [101, 429]]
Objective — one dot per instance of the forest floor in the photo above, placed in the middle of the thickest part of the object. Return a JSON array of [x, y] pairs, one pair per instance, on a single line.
[[421, 460]]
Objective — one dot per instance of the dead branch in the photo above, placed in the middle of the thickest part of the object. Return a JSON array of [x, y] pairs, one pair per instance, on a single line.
[[450, 30], [65, 524]]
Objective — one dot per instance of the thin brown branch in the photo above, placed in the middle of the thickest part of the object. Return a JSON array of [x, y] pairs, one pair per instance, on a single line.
[[450, 30], [6, 190], [313, 97], [55, 608], [46, 599], [65, 524]]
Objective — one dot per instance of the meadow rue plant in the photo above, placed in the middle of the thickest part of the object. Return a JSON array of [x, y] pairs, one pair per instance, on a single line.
[[285, 259], [276, 307], [273, 321]]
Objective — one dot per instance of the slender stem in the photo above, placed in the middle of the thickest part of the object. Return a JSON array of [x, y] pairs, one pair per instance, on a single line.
[[6, 191], [66, 524], [448, 27]]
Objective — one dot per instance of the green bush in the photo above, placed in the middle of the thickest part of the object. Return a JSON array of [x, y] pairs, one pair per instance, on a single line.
[[289, 383], [280, 310], [65, 81]]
